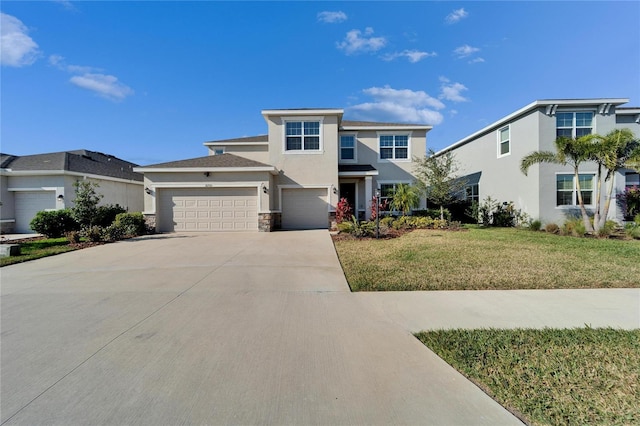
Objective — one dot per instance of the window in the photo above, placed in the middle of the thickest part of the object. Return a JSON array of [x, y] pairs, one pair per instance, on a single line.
[[394, 147], [631, 179], [472, 193], [574, 124], [347, 147], [566, 190], [302, 136], [218, 151], [504, 141], [386, 194]]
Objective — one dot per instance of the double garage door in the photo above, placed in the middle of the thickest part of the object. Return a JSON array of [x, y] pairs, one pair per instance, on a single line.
[[206, 209]]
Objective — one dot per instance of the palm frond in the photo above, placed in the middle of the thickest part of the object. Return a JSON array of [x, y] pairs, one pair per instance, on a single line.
[[538, 157]]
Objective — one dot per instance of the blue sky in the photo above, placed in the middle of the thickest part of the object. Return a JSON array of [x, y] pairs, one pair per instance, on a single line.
[[151, 81]]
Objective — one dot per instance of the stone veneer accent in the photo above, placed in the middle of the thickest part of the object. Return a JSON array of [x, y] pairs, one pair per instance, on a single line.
[[268, 222], [333, 224]]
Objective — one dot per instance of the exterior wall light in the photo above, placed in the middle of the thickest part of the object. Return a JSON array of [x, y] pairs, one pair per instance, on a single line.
[[60, 197], [147, 190], [265, 189]]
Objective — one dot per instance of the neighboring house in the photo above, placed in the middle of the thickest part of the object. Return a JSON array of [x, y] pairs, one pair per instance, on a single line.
[[490, 158], [290, 178], [31, 183]]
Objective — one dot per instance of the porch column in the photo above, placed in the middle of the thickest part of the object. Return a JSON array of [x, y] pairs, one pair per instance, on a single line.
[[368, 195]]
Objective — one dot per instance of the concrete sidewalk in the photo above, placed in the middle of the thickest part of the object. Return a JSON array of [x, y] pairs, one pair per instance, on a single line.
[[244, 328], [428, 310]]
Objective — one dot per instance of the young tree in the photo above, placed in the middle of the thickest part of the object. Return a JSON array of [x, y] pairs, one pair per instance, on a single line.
[[439, 179], [405, 197], [85, 205]]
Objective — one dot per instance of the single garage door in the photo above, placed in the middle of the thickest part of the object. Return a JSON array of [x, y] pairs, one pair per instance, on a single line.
[[305, 208], [28, 203], [206, 209]]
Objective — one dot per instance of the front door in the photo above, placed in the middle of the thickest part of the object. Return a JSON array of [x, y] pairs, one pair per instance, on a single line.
[[348, 191]]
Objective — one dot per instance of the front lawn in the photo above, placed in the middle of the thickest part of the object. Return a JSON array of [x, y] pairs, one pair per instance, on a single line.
[[491, 258], [550, 377], [35, 249]]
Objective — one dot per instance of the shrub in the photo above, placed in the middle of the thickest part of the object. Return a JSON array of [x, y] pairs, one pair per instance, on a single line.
[[629, 200], [432, 213], [535, 225], [54, 223], [72, 236], [609, 228], [343, 210], [574, 227], [552, 228], [106, 215], [113, 232], [132, 224], [440, 224], [632, 230], [93, 233], [383, 207], [387, 221], [422, 222]]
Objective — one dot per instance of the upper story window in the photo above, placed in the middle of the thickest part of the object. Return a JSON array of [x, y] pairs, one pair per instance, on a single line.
[[567, 191], [218, 151], [302, 136], [504, 141], [574, 124], [394, 147], [348, 147]]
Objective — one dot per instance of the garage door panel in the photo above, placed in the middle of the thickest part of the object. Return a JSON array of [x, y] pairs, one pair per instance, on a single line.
[[305, 208], [28, 204], [227, 209]]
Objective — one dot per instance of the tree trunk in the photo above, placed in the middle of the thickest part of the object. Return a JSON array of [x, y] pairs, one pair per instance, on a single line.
[[583, 211], [607, 203], [597, 217], [441, 213]]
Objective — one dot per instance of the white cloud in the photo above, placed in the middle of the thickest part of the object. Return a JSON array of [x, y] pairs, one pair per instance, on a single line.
[[106, 86], [456, 16], [332, 17], [354, 42], [17, 49], [59, 62], [66, 4], [393, 105], [412, 55], [476, 60], [465, 50], [452, 91]]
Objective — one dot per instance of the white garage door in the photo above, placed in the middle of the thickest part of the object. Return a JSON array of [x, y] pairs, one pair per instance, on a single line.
[[305, 208], [28, 203], [227, 209]]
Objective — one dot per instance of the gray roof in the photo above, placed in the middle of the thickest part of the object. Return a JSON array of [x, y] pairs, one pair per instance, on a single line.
[[259, 138], [79, 161], [210, 161]]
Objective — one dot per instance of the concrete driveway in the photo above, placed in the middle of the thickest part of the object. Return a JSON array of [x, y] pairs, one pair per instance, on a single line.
[[249, 328]]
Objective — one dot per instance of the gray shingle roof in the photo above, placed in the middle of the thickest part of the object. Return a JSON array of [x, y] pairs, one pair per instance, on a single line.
[[222, 160], [80, 161]]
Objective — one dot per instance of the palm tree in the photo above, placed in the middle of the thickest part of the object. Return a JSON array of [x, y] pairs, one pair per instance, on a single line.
[[616, 150], [405, 197], [568, 152]]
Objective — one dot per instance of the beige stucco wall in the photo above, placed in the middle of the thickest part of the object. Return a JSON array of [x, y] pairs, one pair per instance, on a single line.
[[258, 153], [314, 168]]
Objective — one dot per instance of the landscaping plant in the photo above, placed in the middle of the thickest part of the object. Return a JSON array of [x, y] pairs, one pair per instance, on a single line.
[[54, 223], [343, 210], [85, 205]]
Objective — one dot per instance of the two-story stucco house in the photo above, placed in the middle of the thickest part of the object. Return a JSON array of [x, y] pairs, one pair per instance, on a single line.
[[290, 178], [490, 158]]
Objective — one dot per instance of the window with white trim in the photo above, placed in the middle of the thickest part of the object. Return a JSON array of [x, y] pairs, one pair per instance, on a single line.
[[302, 136], [218, 151], [574, 124], [472, 193], [348, 147], [504, 141], [567, 190], [387, 190], [394, 147]]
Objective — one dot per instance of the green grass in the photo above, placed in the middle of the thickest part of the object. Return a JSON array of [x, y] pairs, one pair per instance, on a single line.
[[37, 249], [491, 258], [550, 377]]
